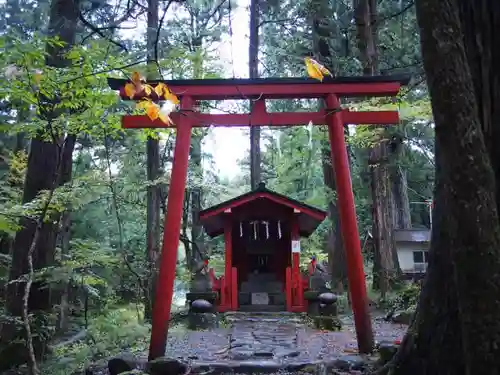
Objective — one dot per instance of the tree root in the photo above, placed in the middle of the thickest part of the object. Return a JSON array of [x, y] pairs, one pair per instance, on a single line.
[[404, 349]]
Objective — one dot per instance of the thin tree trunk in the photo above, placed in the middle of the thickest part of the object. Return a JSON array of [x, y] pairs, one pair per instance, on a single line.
[[456, 330], [153, 172], [64, 236], [196, 191], [253, 67]]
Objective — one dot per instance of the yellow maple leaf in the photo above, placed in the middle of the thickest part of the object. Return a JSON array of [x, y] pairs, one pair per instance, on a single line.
[[143, 104], [171, 97], [148, 89], [153, 111], [136, 78], [160, 89], [315, 69], [130, 90], [165, 111]]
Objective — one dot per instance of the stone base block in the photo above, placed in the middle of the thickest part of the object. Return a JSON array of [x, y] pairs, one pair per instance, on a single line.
[[200, 321]]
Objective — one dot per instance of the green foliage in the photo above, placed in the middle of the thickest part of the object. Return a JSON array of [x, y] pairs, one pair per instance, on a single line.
[[110, 333], [408, 297]]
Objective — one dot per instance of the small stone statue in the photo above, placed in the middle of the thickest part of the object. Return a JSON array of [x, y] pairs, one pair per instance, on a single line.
[[200, 281]]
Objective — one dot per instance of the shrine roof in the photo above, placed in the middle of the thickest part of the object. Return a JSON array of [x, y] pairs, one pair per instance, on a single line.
[[249, 204], [288, 87]]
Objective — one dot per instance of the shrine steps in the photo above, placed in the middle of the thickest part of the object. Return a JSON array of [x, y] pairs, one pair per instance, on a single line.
[[262, 308], [277, 298]]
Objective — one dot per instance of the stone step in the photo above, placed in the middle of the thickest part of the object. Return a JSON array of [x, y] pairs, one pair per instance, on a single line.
[[274, 298], [262, 308]]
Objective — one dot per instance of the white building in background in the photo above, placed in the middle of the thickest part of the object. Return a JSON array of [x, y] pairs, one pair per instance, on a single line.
[[412, 246]]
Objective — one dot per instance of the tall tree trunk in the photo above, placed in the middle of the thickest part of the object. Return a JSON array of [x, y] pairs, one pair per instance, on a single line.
[[401, 204], [456, 329], [253, 67], [401, 213], [153, 229], [385, 269], [480, 22], [385, 264], [197, 168], [44, 172], [333, 241], [6, 240]]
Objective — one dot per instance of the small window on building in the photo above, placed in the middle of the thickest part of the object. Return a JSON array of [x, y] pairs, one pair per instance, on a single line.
[[420, 257]]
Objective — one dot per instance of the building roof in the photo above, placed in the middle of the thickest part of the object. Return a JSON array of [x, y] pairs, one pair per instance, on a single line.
[[309, 217], [412, 235]]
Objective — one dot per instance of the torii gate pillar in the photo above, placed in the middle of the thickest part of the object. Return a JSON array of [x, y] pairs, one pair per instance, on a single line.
[[162, 304], [349, 226]]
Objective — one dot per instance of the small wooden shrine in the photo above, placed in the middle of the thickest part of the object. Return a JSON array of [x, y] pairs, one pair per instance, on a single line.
[[262, 231]]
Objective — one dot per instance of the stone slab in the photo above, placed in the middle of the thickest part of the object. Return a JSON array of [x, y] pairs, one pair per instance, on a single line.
[[260, 299]]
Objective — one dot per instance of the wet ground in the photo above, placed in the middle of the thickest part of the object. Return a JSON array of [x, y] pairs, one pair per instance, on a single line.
[[276, 342]]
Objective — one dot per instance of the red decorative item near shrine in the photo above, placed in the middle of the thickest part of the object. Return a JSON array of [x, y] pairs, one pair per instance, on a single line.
[[330, 90]]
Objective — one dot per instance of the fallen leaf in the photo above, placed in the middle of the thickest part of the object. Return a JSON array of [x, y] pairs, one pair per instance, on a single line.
[[348, 350]]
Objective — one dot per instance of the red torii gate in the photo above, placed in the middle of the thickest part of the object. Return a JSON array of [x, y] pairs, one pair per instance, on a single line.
[[258, 90]]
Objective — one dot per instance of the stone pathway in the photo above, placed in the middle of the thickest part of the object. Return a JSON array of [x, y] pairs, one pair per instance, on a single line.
[[275, 342]]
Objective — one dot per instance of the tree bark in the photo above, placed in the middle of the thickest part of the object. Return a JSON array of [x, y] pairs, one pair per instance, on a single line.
[[153, 172], [333, 240], [196, 199], [401, 204], [365, 13], [44, 172], [452, 332], [253, 67], [385, 265], [480, 21]]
